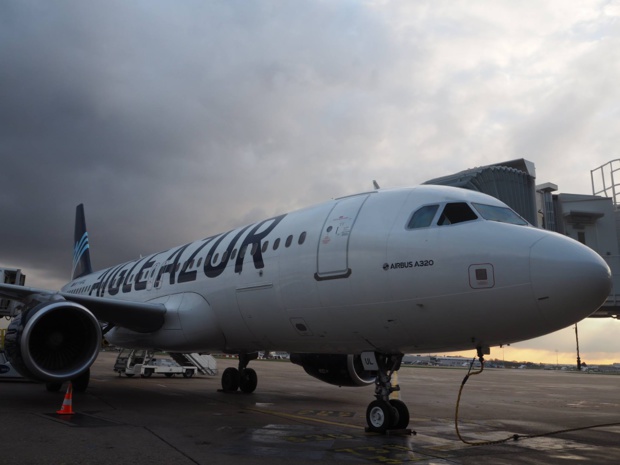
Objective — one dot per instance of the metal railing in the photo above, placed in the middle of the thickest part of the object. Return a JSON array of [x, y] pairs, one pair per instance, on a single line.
[[604, 180]]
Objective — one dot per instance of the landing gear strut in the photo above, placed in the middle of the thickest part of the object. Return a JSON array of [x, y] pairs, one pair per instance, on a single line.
[[384, 413], [243, 378]]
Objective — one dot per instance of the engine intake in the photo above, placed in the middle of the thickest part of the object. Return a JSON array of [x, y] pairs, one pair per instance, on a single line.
[[53, 342], [337, 369]]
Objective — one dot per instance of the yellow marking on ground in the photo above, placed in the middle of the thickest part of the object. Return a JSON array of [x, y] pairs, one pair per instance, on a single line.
[[300, 417]]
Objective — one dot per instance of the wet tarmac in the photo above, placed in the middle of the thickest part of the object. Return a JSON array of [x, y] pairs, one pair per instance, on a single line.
[[293, 418]]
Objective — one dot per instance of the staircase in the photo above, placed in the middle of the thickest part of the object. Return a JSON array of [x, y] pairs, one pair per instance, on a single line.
[[205, 364]]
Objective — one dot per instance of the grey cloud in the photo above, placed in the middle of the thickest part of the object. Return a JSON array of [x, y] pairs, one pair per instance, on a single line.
[[173, 121], [170, 122]]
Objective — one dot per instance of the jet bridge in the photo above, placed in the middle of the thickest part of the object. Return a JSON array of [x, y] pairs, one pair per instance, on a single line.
[[513, 182]]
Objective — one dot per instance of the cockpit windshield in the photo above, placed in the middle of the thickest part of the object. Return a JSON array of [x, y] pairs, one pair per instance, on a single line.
[[423, 217], [452, 213], [500, 214]]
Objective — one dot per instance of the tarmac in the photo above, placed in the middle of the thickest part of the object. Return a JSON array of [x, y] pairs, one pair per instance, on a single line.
[[293, 418]]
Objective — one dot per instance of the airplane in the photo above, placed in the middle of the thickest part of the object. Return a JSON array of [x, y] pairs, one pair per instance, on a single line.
[[347, 287]]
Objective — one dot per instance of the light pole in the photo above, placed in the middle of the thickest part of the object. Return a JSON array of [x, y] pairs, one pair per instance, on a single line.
[[578, 357]]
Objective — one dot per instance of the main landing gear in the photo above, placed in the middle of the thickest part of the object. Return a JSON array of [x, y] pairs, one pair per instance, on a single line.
[[243, 378], [383, 413]]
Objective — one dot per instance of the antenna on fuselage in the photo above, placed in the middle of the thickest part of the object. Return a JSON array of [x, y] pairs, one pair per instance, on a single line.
[[375, 184]]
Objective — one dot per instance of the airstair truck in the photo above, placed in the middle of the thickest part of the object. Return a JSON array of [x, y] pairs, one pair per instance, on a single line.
[[131, 362], [8, 309]]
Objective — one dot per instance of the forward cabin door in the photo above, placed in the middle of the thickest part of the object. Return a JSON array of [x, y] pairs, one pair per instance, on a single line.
[[333, 249]]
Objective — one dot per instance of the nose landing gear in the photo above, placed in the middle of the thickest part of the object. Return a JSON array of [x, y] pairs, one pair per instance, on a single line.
[[383, 413]]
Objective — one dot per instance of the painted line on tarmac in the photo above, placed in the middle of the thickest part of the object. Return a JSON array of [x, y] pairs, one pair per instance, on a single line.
[[300, 417]]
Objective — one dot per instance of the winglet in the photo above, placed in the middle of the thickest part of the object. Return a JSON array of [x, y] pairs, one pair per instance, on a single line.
[[81, 252]]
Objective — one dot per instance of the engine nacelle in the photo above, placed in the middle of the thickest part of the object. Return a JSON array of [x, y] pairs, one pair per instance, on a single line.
[[53, 341], [337, 369]]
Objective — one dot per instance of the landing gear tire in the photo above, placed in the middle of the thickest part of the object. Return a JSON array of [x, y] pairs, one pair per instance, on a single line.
[[230, 379], [403, 414], [248, 380], [53, 387], [380, 416], [80, 384]]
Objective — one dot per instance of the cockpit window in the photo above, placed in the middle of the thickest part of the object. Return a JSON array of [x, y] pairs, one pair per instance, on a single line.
[[458, 212], [423, 217], [501, 214]]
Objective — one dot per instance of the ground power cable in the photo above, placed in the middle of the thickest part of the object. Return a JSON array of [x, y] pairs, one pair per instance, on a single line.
[[514, 437]]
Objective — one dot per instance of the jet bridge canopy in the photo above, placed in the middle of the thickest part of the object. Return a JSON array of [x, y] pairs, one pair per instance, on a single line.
[[513, 182]]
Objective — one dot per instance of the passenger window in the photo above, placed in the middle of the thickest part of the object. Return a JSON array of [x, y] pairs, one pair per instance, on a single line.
[[198, 262], [276, 244], [233, 254], [265, 246], [456, 213], [302, 238], [423, 217], [254, 248], [288, 242]]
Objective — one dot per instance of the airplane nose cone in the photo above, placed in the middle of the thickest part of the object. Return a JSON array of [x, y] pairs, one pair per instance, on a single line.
[[570, 281]]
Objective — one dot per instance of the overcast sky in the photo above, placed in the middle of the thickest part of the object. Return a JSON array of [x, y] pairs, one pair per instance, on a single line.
[[172, 121]]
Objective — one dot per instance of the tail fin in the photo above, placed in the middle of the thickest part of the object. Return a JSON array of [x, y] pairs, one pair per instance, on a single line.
[[81, 252]]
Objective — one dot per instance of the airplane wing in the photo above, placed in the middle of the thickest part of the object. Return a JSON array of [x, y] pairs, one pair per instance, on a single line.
[[142, 317]]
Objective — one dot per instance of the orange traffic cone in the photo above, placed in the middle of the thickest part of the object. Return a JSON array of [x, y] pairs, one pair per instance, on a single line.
[[67, 404]]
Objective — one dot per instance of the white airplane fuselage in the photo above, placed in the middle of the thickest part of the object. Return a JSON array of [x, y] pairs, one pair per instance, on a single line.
[[349, 276]]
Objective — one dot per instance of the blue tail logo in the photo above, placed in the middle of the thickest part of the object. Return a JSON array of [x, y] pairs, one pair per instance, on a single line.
[[81, 249]]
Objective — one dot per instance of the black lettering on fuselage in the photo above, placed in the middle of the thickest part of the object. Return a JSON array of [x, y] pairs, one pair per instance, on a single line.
[[108, 279], [256, 238], [97, 284], [113, 290], [188, 276], [141, 285], [126, 283], [214, 271], [102, 282], [170, 265]]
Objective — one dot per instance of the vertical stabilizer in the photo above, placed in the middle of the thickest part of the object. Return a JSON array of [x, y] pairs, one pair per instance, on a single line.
[[81, 252]]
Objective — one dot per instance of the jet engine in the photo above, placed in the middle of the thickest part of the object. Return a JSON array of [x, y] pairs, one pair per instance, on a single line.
[[337, 369], [53, 341]]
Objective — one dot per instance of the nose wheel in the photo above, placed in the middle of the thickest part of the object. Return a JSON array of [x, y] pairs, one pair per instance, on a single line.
[[384, 414]]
